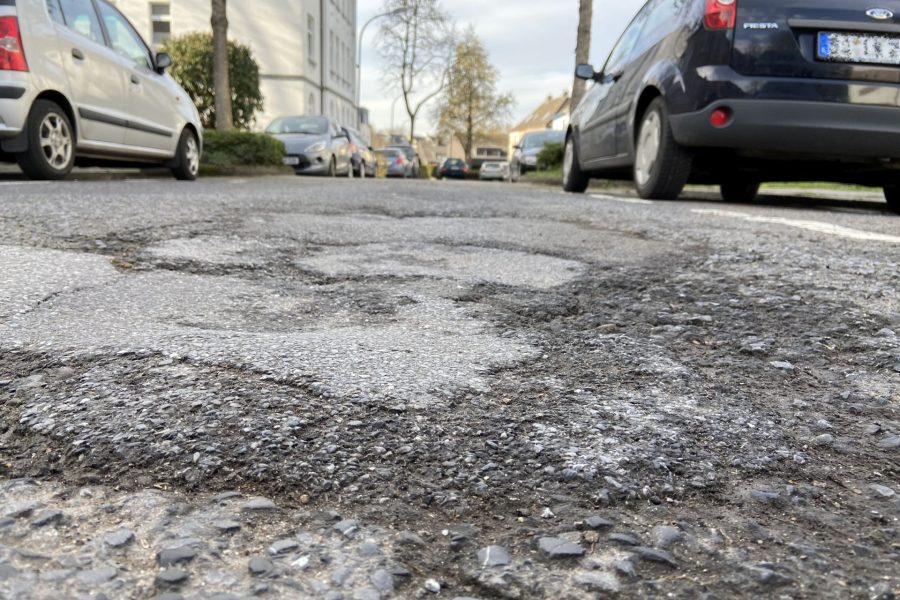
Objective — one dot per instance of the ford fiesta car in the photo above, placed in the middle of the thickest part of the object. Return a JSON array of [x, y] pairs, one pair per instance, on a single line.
[[738, 92], [79, 84], [313, 145]]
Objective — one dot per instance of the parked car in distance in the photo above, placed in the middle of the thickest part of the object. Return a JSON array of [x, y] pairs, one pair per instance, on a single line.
[[455, 168], [313, 145], [735, 93], [395, 162], [525, 156], [494, 171], [411, 156], [362, 156], [78, 85]]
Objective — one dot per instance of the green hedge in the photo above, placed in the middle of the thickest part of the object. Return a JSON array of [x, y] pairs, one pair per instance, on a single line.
[[241, 148], [551, 156]]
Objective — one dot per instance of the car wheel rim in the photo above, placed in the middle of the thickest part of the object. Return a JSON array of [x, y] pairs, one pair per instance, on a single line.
[[648, 147], [192, 155], [568, 159], [56, 141]]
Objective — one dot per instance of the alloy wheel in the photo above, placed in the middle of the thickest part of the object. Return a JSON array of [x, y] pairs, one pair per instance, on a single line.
[[192, 155], [56, 141], [568, 158], [648, 147]]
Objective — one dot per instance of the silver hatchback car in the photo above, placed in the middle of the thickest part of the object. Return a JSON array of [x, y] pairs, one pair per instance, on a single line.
[[77, 82]]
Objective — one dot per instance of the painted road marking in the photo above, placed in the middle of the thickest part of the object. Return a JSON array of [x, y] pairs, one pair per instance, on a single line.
[[619, 199], [817, 226]]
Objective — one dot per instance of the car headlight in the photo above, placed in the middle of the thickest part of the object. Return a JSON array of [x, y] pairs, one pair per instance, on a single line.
[[317, 147]]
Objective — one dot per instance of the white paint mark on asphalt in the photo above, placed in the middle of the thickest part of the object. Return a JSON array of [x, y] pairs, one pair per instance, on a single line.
[[23, 182], [817, 226], [619, 199]]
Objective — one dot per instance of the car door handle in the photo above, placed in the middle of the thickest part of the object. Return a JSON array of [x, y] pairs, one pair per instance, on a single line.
[[135, 80], [78, 54]]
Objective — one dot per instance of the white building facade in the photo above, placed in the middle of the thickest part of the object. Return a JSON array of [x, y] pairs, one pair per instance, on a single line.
[[306, 49]]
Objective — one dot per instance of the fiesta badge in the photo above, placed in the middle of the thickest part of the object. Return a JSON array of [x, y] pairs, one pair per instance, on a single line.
[[880, 14]]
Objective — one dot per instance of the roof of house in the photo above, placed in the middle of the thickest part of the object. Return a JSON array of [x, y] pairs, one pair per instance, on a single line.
[[544, 114]]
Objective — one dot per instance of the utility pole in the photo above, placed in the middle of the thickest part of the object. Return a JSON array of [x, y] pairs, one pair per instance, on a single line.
[[582, 48]]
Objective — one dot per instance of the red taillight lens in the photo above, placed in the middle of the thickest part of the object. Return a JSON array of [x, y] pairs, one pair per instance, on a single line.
[[720, 117], [12, 55], [720, 14]]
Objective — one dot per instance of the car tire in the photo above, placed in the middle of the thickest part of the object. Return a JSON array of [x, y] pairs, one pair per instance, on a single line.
[[187, 157], [51, 143], [574, 179], [661, 166], [892, 195], [739, 191]]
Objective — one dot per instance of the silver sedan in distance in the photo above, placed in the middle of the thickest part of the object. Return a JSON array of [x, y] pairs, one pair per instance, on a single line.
[[313, 145], [494, 171]]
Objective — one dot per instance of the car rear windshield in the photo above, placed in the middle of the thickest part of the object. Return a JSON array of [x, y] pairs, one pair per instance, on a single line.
[[455, 162], [310, 125], [388, 153], [407, 150], [539, 139]]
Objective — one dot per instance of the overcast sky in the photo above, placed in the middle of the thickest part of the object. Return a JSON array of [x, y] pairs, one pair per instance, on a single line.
[[531, 42]]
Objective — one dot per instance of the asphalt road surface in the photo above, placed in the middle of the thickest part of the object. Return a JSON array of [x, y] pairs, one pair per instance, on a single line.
[[303, 388]]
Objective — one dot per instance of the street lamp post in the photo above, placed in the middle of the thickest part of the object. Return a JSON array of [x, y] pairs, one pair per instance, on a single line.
[[362, 31]]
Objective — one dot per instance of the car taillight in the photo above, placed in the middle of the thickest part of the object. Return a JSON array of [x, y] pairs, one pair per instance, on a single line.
[[12, 56], [720, 14]]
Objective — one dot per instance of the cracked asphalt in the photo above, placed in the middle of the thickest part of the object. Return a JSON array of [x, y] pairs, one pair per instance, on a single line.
[[303, 388]]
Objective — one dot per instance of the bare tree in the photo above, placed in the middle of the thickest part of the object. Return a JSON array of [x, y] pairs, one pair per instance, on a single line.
[[221, 79], [582, 47], [416, 43]]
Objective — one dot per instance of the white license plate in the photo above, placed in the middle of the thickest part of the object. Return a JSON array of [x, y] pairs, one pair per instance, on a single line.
[[867, 48], [292, 160]]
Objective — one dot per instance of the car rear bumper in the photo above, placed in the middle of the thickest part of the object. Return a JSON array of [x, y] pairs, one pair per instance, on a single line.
[[828, 129], [13, 109]]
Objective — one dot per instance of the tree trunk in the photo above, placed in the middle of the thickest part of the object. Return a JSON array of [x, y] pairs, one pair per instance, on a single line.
[[222, 82], [582, 47]]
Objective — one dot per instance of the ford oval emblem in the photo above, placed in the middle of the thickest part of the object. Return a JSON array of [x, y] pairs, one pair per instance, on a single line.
[[880, 14]]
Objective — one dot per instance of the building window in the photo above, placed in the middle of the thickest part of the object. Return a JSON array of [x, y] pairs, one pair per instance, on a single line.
[[161, 16], [311, 38]]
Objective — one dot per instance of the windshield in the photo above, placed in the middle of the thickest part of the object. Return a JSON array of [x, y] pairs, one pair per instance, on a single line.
[[539, 139], [310, 125]]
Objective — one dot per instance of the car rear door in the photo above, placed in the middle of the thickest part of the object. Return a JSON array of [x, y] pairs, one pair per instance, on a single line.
[[152, 120], [596, 115], [96, 75], [816, 39]]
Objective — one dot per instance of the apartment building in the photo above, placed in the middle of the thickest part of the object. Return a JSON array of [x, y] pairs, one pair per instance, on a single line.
[[306, 49]]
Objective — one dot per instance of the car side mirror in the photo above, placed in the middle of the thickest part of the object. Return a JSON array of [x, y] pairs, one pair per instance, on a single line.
[[586, 72], [163, 62]]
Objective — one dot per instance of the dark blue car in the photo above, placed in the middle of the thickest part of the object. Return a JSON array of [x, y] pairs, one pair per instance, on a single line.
[[738, 92]]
